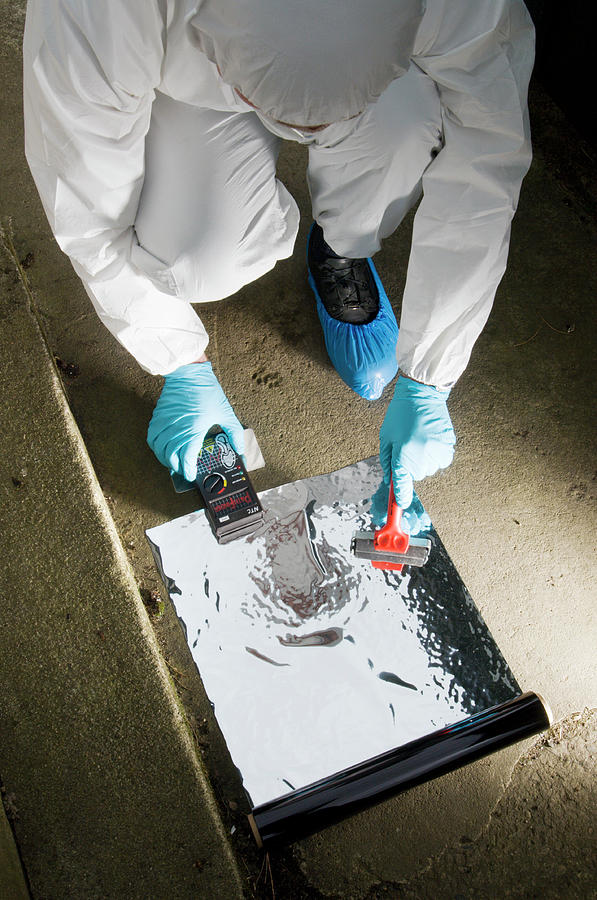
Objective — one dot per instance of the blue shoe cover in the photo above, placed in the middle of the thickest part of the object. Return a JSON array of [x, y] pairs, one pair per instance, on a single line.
[[364, 356]]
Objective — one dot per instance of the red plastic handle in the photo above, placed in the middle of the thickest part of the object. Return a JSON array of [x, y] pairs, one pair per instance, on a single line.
[[391, 537]]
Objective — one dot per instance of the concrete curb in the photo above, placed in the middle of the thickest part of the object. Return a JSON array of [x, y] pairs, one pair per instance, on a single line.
[[110, 797]]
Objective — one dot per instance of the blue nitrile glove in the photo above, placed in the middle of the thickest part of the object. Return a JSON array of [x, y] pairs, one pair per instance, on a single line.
[[414, 519], [416, 437], [190, 403]]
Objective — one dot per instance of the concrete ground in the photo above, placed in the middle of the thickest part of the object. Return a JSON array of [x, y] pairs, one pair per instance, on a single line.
[[112, 788]]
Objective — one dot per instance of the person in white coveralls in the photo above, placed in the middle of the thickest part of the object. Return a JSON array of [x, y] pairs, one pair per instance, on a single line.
[[152, 133]]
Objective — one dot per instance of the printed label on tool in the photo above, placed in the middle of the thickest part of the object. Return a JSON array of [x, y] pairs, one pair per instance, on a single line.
[[230, 501]]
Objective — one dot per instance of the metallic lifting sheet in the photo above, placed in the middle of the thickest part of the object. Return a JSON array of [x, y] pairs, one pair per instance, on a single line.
[[313, 660]]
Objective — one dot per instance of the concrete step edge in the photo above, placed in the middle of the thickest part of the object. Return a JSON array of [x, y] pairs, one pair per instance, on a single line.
[[42, 370]]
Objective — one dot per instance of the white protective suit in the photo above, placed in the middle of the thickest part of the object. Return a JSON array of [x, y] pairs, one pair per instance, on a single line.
[[159, 180]]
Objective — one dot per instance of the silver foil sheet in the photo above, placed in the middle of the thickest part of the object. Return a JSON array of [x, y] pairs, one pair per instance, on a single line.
[[313, 660]]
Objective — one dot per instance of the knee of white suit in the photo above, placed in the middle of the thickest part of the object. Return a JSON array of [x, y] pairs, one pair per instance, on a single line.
[[363, 186], [212, 212], [217, 264]]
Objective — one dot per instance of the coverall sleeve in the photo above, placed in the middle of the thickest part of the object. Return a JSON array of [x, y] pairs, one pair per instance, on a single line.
[[90, 70], [480, 56]]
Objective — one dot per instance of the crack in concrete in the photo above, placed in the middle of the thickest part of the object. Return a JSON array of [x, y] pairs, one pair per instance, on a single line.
[[7, 243]]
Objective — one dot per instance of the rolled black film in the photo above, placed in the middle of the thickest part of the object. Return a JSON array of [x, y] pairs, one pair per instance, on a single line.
[[332, 799]]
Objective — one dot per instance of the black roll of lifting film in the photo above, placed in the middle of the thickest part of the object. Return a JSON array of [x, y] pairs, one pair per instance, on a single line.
[[330, 800]]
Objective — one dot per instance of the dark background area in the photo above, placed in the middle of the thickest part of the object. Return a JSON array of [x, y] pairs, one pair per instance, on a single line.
[[565, 52]]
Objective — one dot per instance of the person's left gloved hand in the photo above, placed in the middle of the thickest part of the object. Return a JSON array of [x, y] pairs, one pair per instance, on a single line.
[[415, 440], [191, 401]]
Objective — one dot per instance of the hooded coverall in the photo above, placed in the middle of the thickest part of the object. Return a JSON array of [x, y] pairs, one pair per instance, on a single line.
[[159, 180]]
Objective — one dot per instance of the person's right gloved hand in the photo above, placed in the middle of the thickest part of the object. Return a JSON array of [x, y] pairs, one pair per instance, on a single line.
[[416, 437], [414, 518], [191, 402]]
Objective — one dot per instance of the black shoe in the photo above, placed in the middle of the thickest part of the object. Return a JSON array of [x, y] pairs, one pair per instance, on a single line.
[[346, 286]]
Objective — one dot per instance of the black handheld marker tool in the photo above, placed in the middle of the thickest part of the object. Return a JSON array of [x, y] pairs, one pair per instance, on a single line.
[[231, 504]]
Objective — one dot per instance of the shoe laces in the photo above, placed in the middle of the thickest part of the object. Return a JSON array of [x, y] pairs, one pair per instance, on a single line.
[[348, 280]]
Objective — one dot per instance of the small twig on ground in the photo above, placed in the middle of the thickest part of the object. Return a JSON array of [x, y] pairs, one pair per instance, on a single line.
[[174, 669], [569, 330], [261, 869], [528, 340], [271, 876], [174, 672]]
